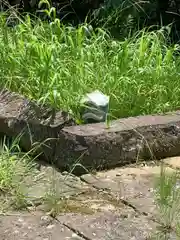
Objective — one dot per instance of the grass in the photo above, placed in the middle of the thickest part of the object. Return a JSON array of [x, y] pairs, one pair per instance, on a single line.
[[24, 186], [58, 64], [14, 168], [17, 170], [167, 199]]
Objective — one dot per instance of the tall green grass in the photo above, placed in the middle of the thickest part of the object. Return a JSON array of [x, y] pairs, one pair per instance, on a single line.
[[58, 64], [167, 199]]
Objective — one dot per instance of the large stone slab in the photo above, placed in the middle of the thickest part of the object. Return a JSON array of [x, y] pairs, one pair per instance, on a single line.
[[46, 187], [95, 146], [174, 162], [124, 224], [35, 123], [125, 141], [134, 185], [19, 226]]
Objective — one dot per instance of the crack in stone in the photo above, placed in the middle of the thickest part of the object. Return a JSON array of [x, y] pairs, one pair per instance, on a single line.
[[126, 203], [74, 230]]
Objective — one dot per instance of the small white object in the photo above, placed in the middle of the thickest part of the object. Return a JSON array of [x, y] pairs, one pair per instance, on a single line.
[[96, 106], [96, 97]]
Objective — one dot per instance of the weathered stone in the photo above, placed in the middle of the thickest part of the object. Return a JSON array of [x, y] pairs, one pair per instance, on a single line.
[[134, 185], [124, 224], [92, 214], [126, 140], [174, 162], [35, 123], [33, 226], [49, 183], [95, 146]]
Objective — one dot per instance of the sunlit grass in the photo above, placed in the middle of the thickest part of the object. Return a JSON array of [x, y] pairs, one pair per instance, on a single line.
[[167, 199], [58, 64]]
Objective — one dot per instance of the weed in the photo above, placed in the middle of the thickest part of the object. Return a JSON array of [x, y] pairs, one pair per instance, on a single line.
[[14, 168], [168, 203]]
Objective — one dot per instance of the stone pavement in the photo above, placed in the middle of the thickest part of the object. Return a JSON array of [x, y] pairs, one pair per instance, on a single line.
[[114, 204]]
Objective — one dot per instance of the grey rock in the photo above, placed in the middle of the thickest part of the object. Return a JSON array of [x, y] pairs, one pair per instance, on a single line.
[[33, 226], [92, 146], [49, 181], [124, 224], [36, 125], [129, 140]]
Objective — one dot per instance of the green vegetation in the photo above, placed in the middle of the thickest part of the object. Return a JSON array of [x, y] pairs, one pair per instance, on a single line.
[[167, 199], [58, 64], [14, 170], [23, 186]]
